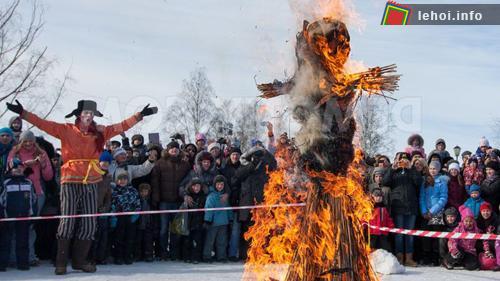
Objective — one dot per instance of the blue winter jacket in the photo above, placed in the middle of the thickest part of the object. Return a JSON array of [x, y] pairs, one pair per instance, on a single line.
[[474, 205], [17, 198], [217, 218], [433, 198]]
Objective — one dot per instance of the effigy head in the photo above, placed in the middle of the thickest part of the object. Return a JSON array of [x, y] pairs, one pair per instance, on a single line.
[[329, 38]]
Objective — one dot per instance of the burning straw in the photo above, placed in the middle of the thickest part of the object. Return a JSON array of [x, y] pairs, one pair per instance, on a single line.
[[326, 240]]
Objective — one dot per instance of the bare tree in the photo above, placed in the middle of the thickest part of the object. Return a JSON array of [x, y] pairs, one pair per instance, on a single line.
[[249, 123], [194, 107], [374, 126], [222, 122], [24, 66]]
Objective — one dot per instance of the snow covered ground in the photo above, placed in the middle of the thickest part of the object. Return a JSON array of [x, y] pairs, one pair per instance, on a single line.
[[178, 271]]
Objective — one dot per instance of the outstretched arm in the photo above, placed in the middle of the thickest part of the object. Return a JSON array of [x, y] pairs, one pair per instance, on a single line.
[[115, 129], [52, 128]]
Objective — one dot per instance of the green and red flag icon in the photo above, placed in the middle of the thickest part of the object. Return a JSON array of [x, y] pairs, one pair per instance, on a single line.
[[395, 14]]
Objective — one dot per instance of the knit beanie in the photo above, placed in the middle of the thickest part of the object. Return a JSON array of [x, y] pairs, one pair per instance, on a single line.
[[213, 145], [255, 142], [435, 164], [195, 180], [451, 211], [484, 142], [485, 206], [465, 212], [378, 171], [493, 165], [172, 144], [105, 157], [219, 178], [27, 136], [122, 175], [474, 187], [455, 166], [234, 150], [119, 151], [6, 130], [200, 136]]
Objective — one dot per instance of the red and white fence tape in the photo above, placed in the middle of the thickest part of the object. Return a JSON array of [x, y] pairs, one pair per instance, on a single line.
[[438, 234], [155, 212], [413, 232]]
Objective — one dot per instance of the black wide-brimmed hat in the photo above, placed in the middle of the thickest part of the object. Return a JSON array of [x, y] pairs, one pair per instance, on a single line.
[[85, 105]]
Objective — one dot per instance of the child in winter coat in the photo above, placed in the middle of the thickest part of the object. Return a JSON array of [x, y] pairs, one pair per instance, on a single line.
[[144, 241], [193, 244], [474, 202], [377, 178], [487, 223], [125, 198], [17, 199], [99, 251], [451, 219], [415, 143], [380, 218], [472, 173], [463, 251], [441, 149], [217, 221], [456, 188], [433, 198]]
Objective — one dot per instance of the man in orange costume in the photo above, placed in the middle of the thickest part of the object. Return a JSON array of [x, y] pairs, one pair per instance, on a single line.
[[81, 145]]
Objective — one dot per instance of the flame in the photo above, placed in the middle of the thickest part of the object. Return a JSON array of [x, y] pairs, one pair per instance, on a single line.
[[277, 234], [341, 80], [343, 10], [262, 109]]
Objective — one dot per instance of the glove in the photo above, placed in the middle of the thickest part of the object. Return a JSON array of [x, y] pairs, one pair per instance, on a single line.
[[488, 254], [427, 216], [134, 218], [15, 108], [456, 255], [146, 111]]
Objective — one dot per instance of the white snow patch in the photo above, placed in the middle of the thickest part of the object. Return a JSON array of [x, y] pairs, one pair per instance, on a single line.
[[385, 263]]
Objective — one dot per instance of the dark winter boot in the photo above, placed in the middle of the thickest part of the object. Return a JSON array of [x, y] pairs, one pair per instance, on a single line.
[[62, 256], [79, 256], [447, 265], [409, 260]]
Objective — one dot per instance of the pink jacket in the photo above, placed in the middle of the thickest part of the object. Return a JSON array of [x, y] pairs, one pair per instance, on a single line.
[[473, 176], [467, 245], [42, 169]]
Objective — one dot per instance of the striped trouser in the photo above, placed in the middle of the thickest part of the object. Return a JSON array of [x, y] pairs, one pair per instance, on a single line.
[[77, 198]]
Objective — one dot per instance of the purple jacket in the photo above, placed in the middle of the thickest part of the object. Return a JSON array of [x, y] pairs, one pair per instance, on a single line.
[[456, 193]]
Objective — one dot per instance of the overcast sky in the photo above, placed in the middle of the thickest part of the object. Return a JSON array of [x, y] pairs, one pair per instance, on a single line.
[[125, 53]]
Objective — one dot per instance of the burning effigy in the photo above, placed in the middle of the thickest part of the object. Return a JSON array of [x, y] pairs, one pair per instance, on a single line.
[[324, 240]]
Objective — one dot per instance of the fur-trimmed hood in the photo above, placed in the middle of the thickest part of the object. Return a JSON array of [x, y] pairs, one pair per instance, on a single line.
[[416, 137], [199, 157]]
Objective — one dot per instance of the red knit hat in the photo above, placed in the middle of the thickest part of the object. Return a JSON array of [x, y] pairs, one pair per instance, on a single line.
[[485, 206]]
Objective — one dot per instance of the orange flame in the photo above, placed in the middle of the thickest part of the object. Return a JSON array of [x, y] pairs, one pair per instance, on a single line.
[[277, 234]]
